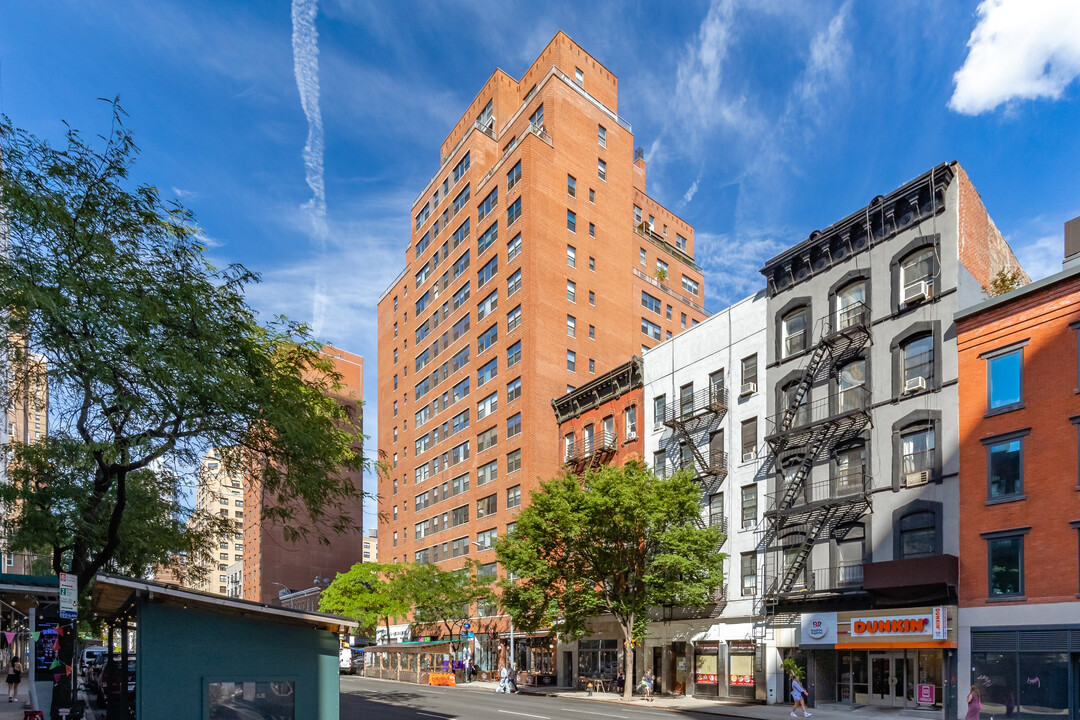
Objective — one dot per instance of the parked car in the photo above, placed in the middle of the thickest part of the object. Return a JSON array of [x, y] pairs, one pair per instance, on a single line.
[[108, 692]]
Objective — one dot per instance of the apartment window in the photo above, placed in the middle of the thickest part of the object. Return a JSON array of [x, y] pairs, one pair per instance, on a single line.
[[395, 356], [649, 302], [918, 534], [487, 305], [601, 135], [690, 285], [513, 248], [592, 195], [1005, 563], [513, 390], [537, 118], [592, 332], [571, 326], [513, 212], [851, 380], [395, 408], [513, 461], [571, 221], [592, 365], [749, 439], [395, 538], [682, 319], [513, 354], [716, 509], [487, 506], [917, 448], [601, 170], [916, 269], [513, 283], [489, 204], [395, 382], [487, 338], [642, 256], [749, 506], [917, 363], [680, 242], [1005, 466], [487, 272], [793, 332], [461, 168], [513, 177], [668, 316], [571, 361], [686, 400], [630, 422], [487, 439], [571, 291], [571, 186], [513, 319], [461, 199], [579, 77], [1005, 380], [749, 370], [650, 328], [659, 463], [659, 408], [748, 573], [571, 256], [592, 233], [488, 371], [513, 497], [592, 298], [487, 406], [487, 473], [661, 269], [486, 540]]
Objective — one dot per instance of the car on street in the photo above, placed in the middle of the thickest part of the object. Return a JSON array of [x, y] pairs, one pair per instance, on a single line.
[[89, 654], [110, 679], [350, 661]]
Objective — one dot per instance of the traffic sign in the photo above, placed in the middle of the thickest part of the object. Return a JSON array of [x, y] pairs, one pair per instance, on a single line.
[[69, 596], [467, 625]]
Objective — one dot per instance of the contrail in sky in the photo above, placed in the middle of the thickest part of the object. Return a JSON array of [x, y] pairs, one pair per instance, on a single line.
[[305, 43]]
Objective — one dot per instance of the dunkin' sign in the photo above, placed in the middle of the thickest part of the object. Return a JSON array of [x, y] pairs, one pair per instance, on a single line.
[[932, 623]]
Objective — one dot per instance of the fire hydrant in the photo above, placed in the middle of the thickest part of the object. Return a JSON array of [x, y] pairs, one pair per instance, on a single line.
[[589, 688]]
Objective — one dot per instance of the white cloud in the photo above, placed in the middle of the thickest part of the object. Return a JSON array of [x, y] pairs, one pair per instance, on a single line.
[[830, 52], [698, 96], [690, 193], [1019, 50], [733, 263]]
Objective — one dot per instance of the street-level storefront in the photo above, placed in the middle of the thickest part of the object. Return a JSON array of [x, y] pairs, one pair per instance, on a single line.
[[900, 658]]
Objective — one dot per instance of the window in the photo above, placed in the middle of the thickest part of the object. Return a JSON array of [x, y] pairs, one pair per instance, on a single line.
[[641, 256], [650, 328], [461, 168], [513, 354], [571, 326], [1005, 560], [571, 256], [487, 372], [490, 203], [592, 233], [461, 234], [659, 463], [513, 461], [571, 291], [513, 319], [513, 425], [682, 319], [487, 239], [668, 316], [592, 365], [513, 212], [486, 540], [513, 177], [749, 370], [680, 242], [748, 573], [487, 473], [487, 406], [1005, 380], [513, 390], [487, 272], [630, 422], [851, 305], [601, 170], [917, 448], [1005, 468], [487, 305], [601, 135], [686, 400], [487, 439], [592, 196], [571, 221], [917, 362], [592, 298], [571, 361], [919, 267], [918, 534], [650, 302], [793, 331], [592, 332], [661, 269], [659, 409], [513, 283], [749, 506], [579, 77], [461, 199], [716, 509], [487, 338], [690, 285], [749, 439], [851, 381], [571, 186], [487, 506], [513, 496], [850, 469]]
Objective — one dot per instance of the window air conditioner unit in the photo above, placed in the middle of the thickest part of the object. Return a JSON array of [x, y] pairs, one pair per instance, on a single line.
[[916, 384], [748, 388], [917, 478], [917, 292], [631, 436], [749, 456]]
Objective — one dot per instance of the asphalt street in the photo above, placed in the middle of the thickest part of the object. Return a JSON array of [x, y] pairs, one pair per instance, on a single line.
[[364, 698]]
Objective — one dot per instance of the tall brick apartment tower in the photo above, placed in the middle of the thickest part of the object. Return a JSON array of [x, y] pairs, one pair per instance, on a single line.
[[535, 263]]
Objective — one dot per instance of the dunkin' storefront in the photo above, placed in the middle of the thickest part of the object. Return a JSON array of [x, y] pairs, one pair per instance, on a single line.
[[902, 658]]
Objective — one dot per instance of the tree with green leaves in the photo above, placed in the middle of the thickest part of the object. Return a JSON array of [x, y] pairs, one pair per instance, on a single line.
[[618, 541], [445, 598], [370, 593], [152, 357]]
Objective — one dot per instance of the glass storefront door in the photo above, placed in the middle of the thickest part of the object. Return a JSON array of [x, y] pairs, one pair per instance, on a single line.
[[889, 678]]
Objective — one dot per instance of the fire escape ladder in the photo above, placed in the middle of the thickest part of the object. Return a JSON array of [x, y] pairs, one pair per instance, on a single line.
[[803, 388]]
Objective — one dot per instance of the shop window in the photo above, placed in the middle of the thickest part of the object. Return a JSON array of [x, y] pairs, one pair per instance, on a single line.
[[707, 668], [598, 658]]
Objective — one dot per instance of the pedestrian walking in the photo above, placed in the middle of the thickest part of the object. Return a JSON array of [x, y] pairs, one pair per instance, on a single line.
[[14, 678], [503, 681], [512, 680], [647, 681], [974, 701], [798, 694]]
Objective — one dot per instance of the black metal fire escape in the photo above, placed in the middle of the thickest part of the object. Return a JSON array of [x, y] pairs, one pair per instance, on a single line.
[[690, 419], [801, 512], [591, 452]]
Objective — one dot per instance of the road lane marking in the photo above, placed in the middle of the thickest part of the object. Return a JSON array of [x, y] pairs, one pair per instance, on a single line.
[[589, 712], [511, 712], [443, 717]]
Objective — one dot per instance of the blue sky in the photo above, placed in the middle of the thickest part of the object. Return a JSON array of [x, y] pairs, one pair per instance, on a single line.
[[301, 138]]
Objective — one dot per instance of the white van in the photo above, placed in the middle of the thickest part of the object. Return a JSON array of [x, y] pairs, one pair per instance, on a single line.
[[89, 655]]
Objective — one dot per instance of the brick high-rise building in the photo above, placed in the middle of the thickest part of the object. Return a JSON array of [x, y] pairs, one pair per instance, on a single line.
[[535, 263], [274, 566]]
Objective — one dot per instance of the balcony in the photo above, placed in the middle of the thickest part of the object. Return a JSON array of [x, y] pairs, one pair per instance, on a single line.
[[712, 400], [846, 330], [838, 417], [820, 584], [590, 452], [673, 293], [852, 488]]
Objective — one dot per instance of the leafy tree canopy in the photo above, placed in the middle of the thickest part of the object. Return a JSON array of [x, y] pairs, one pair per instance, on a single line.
[[370, 593], [619, 541]]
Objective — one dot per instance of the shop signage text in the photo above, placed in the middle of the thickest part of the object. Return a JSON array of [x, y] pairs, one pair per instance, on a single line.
[[933, 623], [925, 694]]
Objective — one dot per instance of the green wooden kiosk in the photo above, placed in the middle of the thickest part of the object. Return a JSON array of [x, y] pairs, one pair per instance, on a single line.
[[205, 656]]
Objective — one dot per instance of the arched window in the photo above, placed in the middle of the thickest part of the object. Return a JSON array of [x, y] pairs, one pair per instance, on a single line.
[[918, 534], [851, 306], [850, 469], [850, 553], [917, 272], [802, 414], [851, 381], [917, 362], [793, 332]]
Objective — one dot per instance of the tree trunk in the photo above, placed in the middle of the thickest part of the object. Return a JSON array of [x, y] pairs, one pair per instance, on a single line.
[[628, 658]]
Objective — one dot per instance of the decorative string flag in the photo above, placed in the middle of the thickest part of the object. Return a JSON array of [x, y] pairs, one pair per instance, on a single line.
[[55, 664], [36, 635], [56, 677], [60, 631], [56, 645], [68, 669], [10, 637]]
